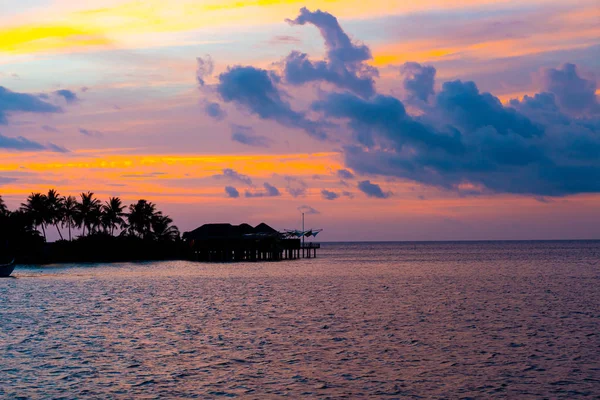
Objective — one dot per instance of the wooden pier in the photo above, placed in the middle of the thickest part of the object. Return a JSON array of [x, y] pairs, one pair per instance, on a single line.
[[230, 243]]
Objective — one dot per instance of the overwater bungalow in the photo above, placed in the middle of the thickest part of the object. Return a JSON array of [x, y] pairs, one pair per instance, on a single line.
[[230, 243]]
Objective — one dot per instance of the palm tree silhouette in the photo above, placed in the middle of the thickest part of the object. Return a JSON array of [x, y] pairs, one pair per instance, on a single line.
[[3, 209], [36, 207], [55, 211], [88, 212], [163, 229], [140, 218], [70, 213], [112, 215]]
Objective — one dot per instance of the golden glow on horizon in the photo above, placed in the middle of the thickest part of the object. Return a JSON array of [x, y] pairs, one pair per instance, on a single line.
[[165, 175]]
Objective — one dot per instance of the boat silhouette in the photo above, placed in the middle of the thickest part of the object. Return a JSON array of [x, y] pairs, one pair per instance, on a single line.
[[7, 269]]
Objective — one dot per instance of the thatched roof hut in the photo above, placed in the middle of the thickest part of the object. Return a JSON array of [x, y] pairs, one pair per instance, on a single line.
[[228, 231]]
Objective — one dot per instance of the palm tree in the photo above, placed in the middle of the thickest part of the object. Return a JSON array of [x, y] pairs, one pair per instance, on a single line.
[[163, 229], [112, 215], [55, 209], [88, 212], [69, 213], [140, 218], [3, 209], [36, 207]]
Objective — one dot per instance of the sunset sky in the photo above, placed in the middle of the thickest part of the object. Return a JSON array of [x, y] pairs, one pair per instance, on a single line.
[[382, 120]]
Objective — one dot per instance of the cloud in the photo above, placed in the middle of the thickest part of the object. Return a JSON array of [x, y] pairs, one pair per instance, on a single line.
[[20, 143], [256, 90], [574, 94], [154, 174], [418, 80], [6, 180], [214, 110], [245, 135], [270, 191], [347, 194], [385, 116], [470, 110], [49, 128], [204, 69], [308, 210], [465, 140], [90, 133], [327, 195], [344, 65], [232, 192], [345, 174], [372, 190], [234, 176], [69, 96], [57, 149], [296, 187], [285, 39], [22, 102]]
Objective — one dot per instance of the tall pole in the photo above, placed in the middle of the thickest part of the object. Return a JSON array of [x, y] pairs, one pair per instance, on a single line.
[[303, 230]]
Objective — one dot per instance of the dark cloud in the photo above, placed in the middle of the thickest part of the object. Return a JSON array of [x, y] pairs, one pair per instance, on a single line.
[[204, 69], [214, 110], [308, 210], [344, 65], [245, 135], [57, 149], [269, 191], [372, 190], [232, 192], [296, 187], [345, 174], [256, 90], [328, 195], [69, 96], [574, 94], [385, 116], [6, 180], [470, 110], [418, 80], [234, 176], [528, 148], [90, 132], [22, 102], [20, 143], [464, 140], [348, 194]]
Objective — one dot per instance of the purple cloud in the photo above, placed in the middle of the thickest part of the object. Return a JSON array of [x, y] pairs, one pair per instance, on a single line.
[[270, 191], [256, 90], [232, 192], [574, 94], [22, 102], [234, 176], [344, 65], [245, 135], [418, 80], [372, 190], [214, 110], [68, 95], [328, 195], [204, 69]]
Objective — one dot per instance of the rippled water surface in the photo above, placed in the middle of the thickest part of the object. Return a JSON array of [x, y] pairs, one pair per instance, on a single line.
[[444, 320]]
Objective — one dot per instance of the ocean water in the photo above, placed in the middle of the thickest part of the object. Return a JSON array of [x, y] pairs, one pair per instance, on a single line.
[[389, 320]]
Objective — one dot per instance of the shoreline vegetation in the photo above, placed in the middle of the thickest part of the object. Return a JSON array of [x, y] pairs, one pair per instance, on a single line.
[[108, 232]]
